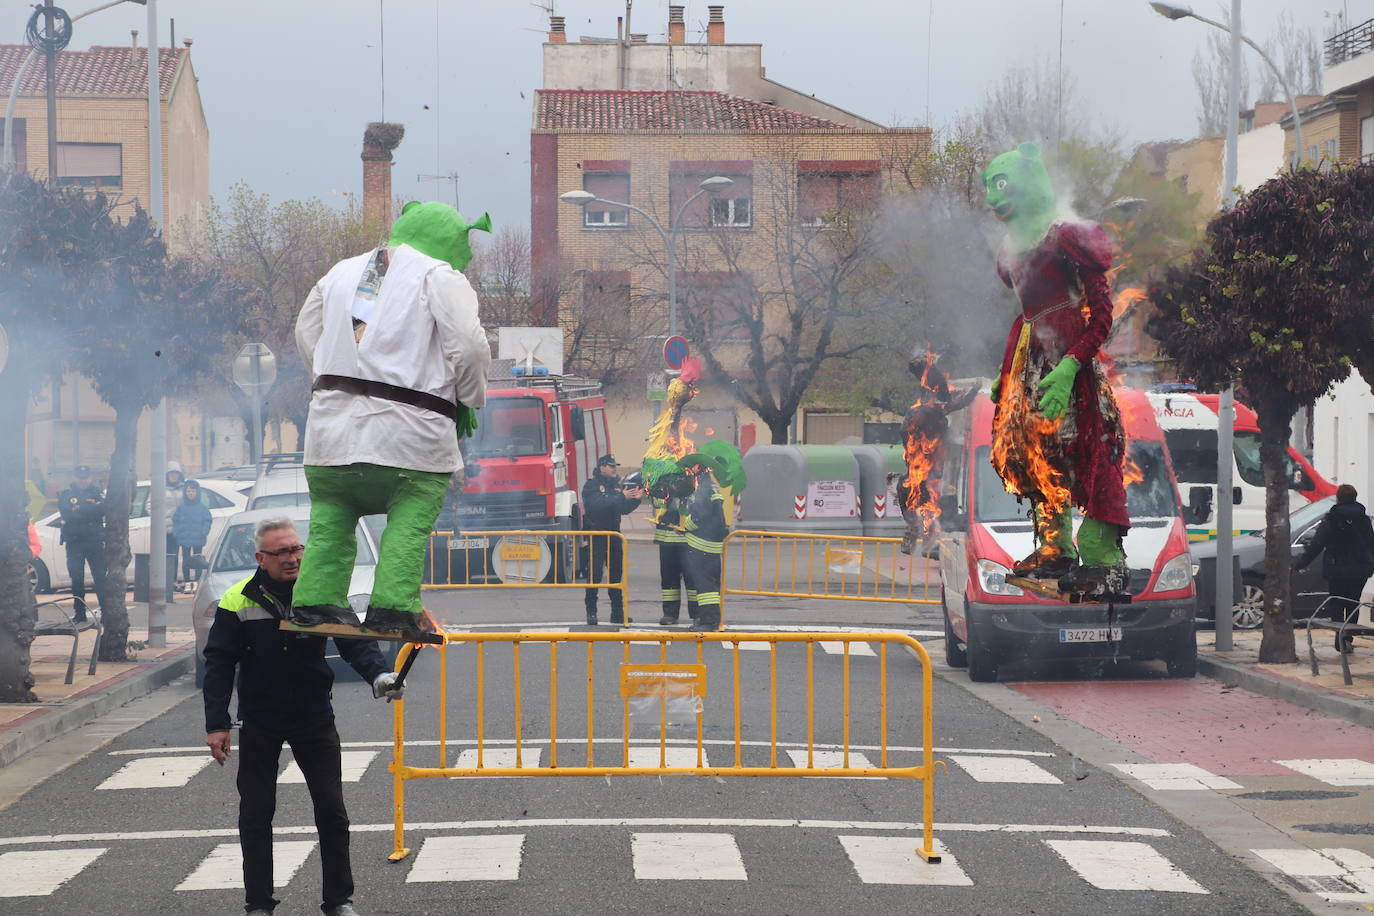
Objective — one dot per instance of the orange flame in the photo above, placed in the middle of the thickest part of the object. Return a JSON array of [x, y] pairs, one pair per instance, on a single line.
[[919, 446], [683, 443]]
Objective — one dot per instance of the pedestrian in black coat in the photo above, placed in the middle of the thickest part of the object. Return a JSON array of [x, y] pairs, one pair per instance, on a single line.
[[1345, 538]]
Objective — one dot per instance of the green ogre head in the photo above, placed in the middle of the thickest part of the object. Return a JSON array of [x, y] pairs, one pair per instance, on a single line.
[[437, 230], [1020, 194]]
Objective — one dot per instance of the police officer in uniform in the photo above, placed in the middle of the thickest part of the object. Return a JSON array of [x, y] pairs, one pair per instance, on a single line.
[[604, 501], [83, 532]]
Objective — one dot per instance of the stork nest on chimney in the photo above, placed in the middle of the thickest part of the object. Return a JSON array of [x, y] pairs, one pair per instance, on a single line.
[[384, 135]]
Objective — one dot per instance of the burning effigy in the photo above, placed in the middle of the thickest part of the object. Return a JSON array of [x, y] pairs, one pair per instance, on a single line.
[[1057, 432], [667, 485], [923, 439]]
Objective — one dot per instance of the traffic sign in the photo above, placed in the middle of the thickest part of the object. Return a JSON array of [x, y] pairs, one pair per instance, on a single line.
[[675, 352], [255, 368]]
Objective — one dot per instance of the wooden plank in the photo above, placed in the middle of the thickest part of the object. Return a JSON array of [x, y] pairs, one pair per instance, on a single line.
[[344, 631]]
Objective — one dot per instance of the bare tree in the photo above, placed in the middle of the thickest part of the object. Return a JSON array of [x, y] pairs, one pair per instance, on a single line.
[[1294, 50], [1298, 54], [500, 273]]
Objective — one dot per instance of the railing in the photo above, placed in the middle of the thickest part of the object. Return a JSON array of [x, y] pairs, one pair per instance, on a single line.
[[525, 559], [664, 683], [840, 567], [1351, 43]]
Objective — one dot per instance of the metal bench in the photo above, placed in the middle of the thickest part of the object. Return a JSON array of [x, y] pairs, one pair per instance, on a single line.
[[1348, 626], [57, 618]]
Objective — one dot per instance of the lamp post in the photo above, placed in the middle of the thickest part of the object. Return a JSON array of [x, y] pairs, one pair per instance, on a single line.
[[669, 235]]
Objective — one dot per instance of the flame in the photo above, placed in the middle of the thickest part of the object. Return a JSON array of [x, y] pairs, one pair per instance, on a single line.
[[1123, 301], [685, 444], [920, 444], [1130, 470]]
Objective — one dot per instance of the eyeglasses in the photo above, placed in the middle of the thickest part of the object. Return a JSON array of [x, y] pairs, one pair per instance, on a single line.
[[284, 551]]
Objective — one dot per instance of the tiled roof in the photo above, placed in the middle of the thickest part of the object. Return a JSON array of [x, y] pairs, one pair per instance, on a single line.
[[100, 71], [598, 109]]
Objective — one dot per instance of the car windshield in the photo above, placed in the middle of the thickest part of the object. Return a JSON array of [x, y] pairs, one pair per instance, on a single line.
[[511, 427], [237, 549], [1151, 495]]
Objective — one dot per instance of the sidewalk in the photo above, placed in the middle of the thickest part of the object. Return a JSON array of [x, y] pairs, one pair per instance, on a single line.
[[1325, 692], [65, 707]]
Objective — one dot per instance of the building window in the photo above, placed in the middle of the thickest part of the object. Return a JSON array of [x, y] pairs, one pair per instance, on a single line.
[[825, 196], [90, 165], [607, 186], [732, 207], [1366, 138]]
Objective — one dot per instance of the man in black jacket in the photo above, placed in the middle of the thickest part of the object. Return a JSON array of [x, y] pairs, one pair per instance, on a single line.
[[284, 697], [83, 532], [1347, 538], [604, 501]]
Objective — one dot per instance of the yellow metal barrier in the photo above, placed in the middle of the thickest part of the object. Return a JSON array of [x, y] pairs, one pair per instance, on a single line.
[[664, 682], [524, 559], [781, 564]]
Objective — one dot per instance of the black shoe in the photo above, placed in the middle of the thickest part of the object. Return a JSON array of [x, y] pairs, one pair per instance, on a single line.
[[316, 614], [666, 621], [591, 620], [343, 909], [1043, 564], [1345, 646], [701, 625], [390, 620], [620, 621]]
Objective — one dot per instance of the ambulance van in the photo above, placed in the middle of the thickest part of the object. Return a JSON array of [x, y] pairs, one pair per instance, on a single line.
[[989, 622]]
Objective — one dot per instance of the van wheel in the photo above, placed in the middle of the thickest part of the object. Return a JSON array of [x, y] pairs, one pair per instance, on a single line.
[[982, 665], [39, 579], [1248, 611], [955, 656]]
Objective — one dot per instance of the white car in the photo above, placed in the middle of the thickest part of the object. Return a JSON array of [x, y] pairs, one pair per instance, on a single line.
[[222, 497], [232, 559]]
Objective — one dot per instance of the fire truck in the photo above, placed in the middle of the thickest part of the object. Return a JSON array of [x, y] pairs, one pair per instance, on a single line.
[[538, 440]]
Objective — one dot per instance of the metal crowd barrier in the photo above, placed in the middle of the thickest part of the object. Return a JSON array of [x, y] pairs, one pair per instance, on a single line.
[[663, 682], [782, 564], [523, 559]]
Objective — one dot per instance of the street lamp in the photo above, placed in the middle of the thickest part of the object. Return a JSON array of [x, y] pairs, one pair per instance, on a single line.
[[1169, 11], [708, 186]]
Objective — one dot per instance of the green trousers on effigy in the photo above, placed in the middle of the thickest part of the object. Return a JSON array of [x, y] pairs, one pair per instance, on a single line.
[[339, 496]]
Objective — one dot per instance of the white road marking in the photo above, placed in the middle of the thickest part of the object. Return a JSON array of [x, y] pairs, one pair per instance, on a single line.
[[1120, 866], [498, 758], [1004, 769], [355, 763], [1334, 771], [527, 823], [157, 772], [37, 873], [749, 646], [834, 760], [893, 860], [477, 857], [222, 869], [855, 648], [1177, 777], [676, 756], [1338, 875], [686, 857]]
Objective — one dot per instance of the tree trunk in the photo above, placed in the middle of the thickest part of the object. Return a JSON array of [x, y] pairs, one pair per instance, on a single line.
[[17, 608], [778, 429], [1277, 643], [118, 498]]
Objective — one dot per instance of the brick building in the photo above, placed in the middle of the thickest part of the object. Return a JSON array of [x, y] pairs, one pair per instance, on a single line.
[[645, 124]]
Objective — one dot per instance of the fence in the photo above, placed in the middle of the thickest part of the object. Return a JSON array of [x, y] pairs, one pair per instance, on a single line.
[[523, 559], [851, 568], [664, 682]]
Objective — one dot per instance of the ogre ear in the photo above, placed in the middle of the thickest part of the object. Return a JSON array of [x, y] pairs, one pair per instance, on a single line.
[[406, 208], [1029, 150], [483, 222]]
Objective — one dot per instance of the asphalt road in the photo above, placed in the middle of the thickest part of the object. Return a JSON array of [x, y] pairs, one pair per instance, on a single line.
[[146, 825]]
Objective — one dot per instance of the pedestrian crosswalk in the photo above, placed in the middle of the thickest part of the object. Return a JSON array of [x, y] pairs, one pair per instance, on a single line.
[[1184, 777], [1338, 875], [222, 869], [1334, 771]]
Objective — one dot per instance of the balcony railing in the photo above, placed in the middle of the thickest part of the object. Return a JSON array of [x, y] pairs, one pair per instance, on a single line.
[[1351, 43]]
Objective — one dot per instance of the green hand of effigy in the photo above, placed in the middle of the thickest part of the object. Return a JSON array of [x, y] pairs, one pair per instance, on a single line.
[[467, 421], [1058, 385]]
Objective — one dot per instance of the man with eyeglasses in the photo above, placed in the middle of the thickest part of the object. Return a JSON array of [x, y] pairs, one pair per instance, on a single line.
[[284, 698]]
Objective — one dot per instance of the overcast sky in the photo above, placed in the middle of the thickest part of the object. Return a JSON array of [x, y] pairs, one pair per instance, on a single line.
[[289, 85]]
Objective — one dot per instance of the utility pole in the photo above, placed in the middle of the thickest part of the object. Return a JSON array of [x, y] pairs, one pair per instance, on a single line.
[[51, 62], [157, 484]]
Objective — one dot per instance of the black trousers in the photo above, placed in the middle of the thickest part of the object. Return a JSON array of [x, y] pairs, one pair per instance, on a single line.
[[672, 577], [1344, 588], [703, 578], [316, 749], [80, 554], [606, 549], [187, 573]]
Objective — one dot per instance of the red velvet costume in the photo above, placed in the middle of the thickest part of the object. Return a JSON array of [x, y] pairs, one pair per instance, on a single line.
[[1062, 287]]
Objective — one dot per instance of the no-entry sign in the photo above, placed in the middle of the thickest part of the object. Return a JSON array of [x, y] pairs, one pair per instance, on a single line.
[[675, 352]]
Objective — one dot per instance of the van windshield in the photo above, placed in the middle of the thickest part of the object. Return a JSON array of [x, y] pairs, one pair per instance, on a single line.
[[1152, 496], [510, 428], [1195, 454]]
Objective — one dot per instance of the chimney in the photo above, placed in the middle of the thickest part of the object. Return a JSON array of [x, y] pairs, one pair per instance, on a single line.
[[379, 140], [715, 25], [639, 38], [133, 48], [558, 33], [677, 26]]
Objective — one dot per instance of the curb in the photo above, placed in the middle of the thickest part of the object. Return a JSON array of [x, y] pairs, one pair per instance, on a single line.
[[19, 740], [1279, 688]]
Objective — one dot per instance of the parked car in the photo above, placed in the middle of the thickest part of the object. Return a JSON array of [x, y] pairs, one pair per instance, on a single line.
[[232, 559], [280, 483], [49, 570], [1308, 587]]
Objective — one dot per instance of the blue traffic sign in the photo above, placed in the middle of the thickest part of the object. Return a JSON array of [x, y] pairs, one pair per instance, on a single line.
[[675, 352]]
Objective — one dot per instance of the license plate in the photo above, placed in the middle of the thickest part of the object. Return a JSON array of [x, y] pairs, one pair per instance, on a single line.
[[467, 543], [1090, 634]]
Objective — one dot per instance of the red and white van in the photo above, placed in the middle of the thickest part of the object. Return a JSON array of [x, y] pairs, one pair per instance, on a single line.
[[989, 622], [1189, 421]]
